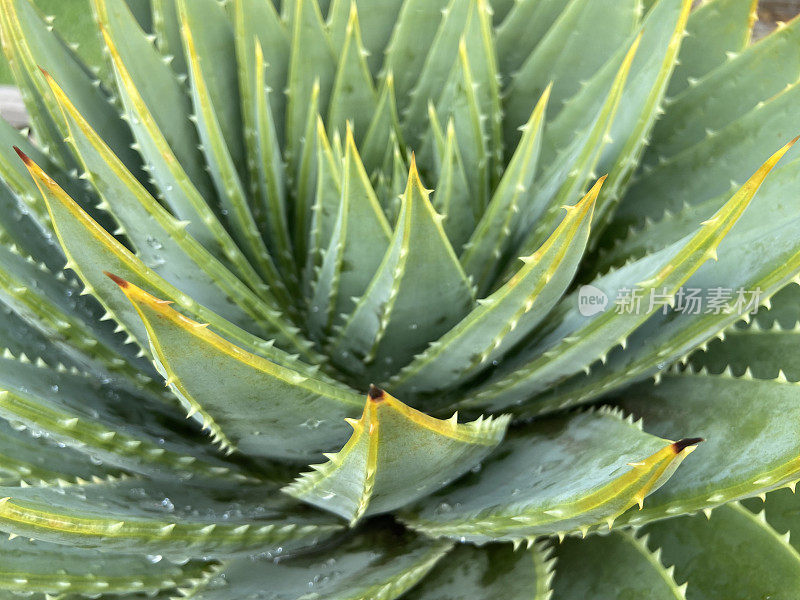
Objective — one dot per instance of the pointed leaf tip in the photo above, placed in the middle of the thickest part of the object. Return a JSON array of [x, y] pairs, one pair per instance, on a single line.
[[25, 158], [375, 393], [681, 445], [414, 180], [116, 279]]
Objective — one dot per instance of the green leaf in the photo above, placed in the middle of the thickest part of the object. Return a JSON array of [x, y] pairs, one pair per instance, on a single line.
[[459, 102], [763, 351], [488, 243], [603, 464], [257, 23], [165, 137], [379, 19], [167, 30], [74, 23], [768, 208], [358, 242], [353, 98], [780, 510], [522, 30], [269, 173], [593, 569], [32, 567], [571, 148], [734, 554], [573, 49], [326, 206], [31, 460], [758, 261], [706, 169], [418, 292], [662, 32], [223, 149], [209, 42], [247, 402], [442, 54], [411, 43], [17, 184], [166, 518], [479, 40], [384, 126], [160, 240], [20, 337], [379, 564], [573, 341], [396, 455], [310, 45], [752, 77], [732, 413], [30, 45], [46, 302], [111, 426], [452, 198], [488, 573], [717, 32], [486, 334], [305, 176], [90, 249]]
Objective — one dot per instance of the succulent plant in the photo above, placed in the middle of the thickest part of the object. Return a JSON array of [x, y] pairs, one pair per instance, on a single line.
[[374, 389]]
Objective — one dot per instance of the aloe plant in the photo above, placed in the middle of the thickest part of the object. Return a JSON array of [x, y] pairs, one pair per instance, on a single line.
[[421, 298]]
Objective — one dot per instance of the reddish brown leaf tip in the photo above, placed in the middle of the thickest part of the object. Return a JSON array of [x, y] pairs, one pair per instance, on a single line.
[[44, 72], [23, 156], [680, 445], [375, 393], [118, 280]]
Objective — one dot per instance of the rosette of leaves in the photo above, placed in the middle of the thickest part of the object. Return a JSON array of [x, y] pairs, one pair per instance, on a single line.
[[416, 275]]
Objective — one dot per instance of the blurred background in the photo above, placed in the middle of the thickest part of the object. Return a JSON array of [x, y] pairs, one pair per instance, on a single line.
[[771, 12], [74, 19]]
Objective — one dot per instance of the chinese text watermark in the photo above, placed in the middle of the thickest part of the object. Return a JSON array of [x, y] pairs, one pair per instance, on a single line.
[[686, 300]]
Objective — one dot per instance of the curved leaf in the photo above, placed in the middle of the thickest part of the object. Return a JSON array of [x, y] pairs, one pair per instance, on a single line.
[[108, 424], [418, 292], [738, 461], [160, 240], [717, 32], [223, 148], [508, 315], [160, 518], [662, 34], [573, 341], [571, 51], [379, 564], [594, 569], [734, 554], [30, 460], [488, 243], [30, 44], [245, 401], [395, 456], [353, 99], [156, 106], [555, 476], [488, 573], [727, 93], [310, 45], [358, 242], [32, 567], [90, 249]]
